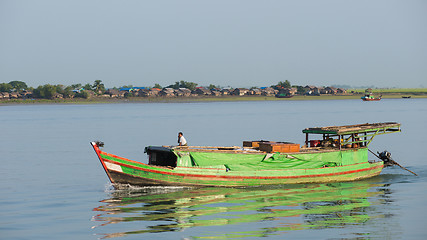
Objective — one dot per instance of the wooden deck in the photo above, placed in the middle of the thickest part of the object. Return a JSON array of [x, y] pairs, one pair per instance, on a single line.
[[248, 150]]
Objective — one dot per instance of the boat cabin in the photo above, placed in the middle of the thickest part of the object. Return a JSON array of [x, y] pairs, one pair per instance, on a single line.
[[161, 156]]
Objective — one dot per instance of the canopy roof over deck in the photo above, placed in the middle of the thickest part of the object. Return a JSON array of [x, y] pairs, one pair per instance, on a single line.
[[350, 129], [360, 133]]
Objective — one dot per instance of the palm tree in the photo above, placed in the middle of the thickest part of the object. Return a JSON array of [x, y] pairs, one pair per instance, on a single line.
[[98, 87]]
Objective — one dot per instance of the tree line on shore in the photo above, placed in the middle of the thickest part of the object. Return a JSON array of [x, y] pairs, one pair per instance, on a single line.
[[19, 89]]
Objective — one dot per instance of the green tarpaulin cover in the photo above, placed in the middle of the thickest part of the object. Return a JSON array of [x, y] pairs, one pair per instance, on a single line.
[[246, 162]]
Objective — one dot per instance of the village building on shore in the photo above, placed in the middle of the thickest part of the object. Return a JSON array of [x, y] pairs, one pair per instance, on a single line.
[[183, 92]]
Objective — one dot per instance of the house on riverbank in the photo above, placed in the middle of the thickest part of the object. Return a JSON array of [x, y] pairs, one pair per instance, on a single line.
[[183, 92], [167, 92], [201, 91], [269, 91], [4, 95], [240, 91]]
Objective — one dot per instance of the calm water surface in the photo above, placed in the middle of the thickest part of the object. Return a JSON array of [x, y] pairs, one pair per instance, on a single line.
[[53, 187]]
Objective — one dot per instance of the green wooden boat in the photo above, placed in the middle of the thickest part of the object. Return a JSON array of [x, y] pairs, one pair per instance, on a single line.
[[339, 153]]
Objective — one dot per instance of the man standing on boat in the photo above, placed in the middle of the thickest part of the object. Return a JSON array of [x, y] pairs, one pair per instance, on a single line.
[[181, 139]]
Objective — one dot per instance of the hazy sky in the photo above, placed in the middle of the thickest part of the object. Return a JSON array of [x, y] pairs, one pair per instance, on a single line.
[[228, 43]]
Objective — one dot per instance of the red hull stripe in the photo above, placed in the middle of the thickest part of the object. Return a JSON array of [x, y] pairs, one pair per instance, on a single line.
[[121, 158], [240, 177]]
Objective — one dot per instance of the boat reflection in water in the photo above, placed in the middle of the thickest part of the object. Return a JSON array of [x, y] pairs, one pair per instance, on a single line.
[[248, 212]]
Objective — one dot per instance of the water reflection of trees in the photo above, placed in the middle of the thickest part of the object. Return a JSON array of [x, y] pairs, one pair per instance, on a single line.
[[291, 207]]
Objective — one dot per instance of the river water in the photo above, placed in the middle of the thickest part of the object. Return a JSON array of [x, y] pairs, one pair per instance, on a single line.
[[53, 187]]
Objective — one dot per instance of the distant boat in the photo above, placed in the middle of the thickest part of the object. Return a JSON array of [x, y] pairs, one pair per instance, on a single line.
[[369, 96], [283, 95], [406, 96], [339, 154]]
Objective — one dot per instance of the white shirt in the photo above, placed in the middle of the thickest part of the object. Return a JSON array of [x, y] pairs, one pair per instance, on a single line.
[[182, 141]]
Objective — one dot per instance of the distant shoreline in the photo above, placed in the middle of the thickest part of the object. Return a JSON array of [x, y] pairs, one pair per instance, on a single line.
[[103, 100]]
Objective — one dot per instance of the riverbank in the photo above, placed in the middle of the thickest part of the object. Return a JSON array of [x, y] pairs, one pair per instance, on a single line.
[[100, 100]]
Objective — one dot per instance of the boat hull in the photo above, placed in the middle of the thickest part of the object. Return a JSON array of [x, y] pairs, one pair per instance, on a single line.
[[369, 98], [124, 171], [168, 179]]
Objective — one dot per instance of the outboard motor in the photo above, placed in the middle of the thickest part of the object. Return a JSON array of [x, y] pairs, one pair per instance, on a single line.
[[386, 157]]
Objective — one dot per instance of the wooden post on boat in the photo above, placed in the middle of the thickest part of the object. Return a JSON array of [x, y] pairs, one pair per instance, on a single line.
[[365, 140], [306, 140], [353, 145]]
